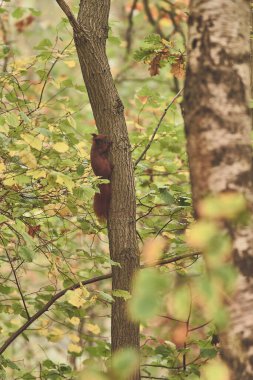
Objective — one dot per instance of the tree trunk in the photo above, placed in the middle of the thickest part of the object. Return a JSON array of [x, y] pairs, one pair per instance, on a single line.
[[108, 112], [218, 126], [251, 57]]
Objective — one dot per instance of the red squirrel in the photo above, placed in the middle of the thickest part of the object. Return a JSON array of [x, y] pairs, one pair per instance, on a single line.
[[103, 168]]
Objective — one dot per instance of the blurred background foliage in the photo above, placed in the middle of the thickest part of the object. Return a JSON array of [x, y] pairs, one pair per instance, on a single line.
[[50, 237]]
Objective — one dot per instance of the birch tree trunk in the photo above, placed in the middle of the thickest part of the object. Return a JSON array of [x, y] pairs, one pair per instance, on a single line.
[[90, 35], [218, 126], [251, 57]]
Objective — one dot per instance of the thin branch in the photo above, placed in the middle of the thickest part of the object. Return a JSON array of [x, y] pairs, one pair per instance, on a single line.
[[152, 377], [47, 77], [58, 295], [130, 26], [164, 226], [72, 20], [157, 127], [151, 19], [18, 284], [172, 368], [172, 15], [47, 306], [187, 329], [200, 326]]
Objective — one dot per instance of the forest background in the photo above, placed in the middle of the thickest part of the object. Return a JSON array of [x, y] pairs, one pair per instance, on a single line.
[[53, 326]]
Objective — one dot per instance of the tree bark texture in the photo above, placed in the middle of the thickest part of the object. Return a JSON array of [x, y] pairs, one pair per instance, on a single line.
[[218, 126], [90, 39], [251, 57]]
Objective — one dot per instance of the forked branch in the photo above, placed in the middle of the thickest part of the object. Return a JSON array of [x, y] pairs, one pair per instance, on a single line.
[[66, 9], [60, 294]]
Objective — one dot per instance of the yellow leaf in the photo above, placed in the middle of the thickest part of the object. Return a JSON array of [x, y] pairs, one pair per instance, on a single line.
[[61, 147], [56, 334], [85, 292], [33, 213], [50, 209], [13, 153], [53, 209], [74, 348], [33, 141], [76, 297], [74, 321], [44, 323], [227, 205], [200, 234], [4, 129], [28, 159], [15, 321], [39, 173], [70, 63], [74, 338], [9, 181], [43, 332], [216, 369], [152, 249], [158, 168], [81, 149], [2, 166], [165, 22], [91, 374], [65, 211], [95, 329], [65, 181]]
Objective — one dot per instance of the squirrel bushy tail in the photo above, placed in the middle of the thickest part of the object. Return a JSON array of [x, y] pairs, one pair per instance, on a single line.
[[102, 168], [101, 202]]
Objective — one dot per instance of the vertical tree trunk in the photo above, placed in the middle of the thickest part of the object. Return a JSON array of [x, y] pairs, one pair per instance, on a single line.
[[251, 56], [108, 112], [218, 126]]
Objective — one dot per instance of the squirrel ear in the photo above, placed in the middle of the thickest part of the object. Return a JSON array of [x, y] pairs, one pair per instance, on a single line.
[[94, 135]]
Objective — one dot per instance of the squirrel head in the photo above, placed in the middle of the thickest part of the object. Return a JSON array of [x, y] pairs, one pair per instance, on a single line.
[[101, 142]]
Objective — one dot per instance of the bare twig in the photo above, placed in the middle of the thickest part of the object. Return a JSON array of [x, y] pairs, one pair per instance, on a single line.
[[18, 284], [130, 26], [58, 295], [171, 368], [72, 20], [157, 127], [200, 326], [187, 329], [172, 15], [151, 19], [48, 74]]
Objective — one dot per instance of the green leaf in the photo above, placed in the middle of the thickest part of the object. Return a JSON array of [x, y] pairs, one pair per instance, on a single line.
[[34, 12], [18, 12], [12, 119], [153, 39], [44, 44], [105, 296], [209, 353], [5, 289], [121, 293], [166, 196], [24, 117], [26, 253], [149, 287], [80, 170], [124, 363], [28, 376]]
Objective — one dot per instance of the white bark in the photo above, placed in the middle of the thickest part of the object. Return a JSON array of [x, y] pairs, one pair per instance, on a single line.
[[218, 127]]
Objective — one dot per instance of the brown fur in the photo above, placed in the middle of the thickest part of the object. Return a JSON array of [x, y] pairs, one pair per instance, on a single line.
[[103, 168]]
